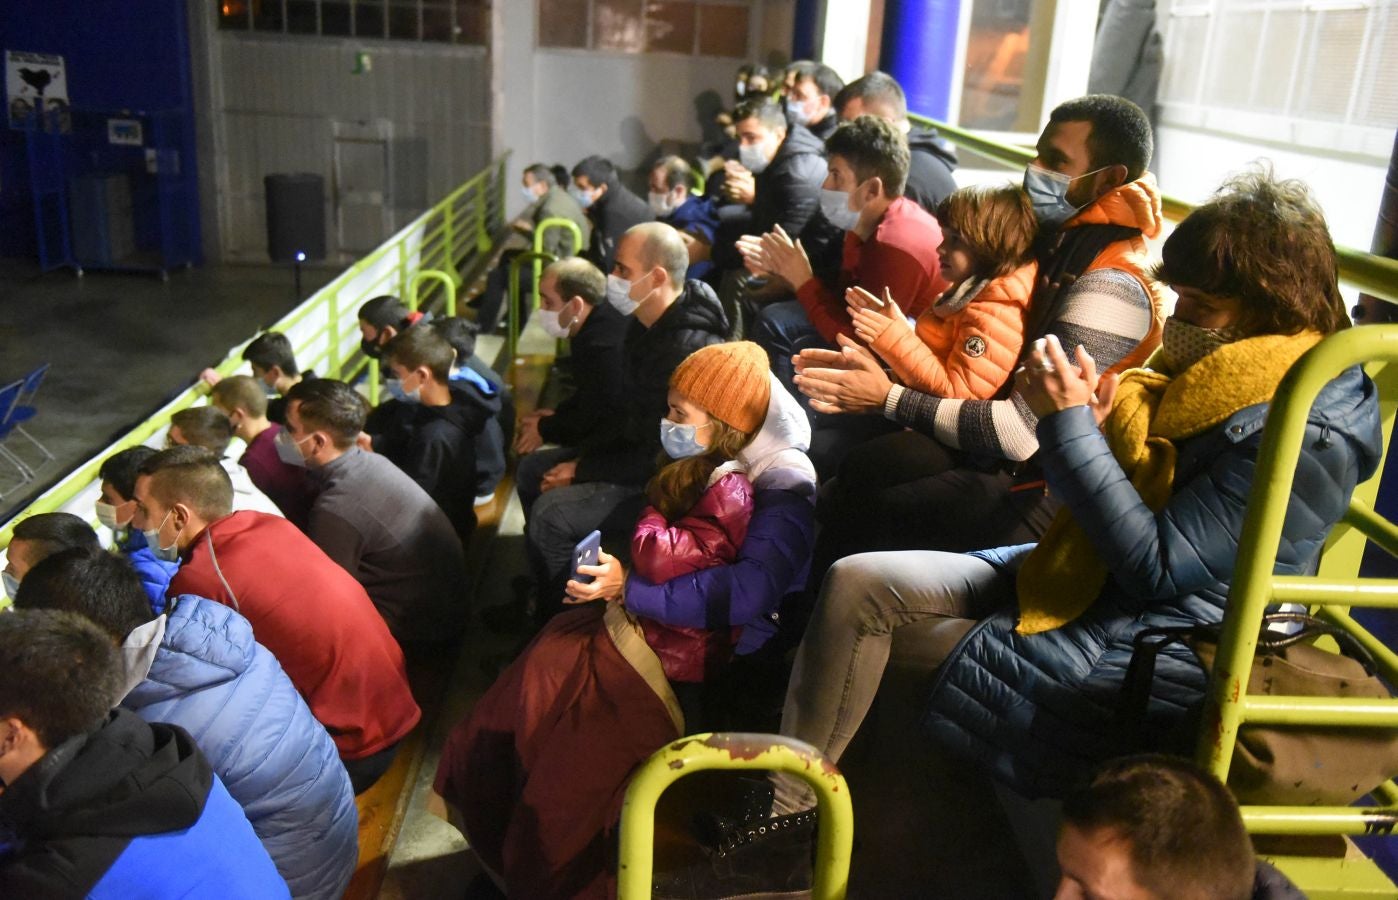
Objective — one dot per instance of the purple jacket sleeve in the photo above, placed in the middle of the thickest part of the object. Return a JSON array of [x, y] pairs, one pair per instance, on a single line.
[[772, 562]]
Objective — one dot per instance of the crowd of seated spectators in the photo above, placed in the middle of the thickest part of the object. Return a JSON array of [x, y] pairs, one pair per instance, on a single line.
[[816, 396]]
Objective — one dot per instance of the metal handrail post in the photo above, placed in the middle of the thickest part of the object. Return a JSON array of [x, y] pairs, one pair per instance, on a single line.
[[512, 339], [1253, 581], [448, 286], [736, 752], [567, 225]]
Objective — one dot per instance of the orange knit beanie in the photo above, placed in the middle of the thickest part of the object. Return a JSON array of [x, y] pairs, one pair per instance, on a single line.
[[729, 381]]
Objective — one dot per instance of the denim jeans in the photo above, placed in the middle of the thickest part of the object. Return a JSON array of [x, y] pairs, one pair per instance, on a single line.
[[845, 650]]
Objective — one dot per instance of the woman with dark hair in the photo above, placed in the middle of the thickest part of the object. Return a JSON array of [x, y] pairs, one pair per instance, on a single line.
[[1153, 469]]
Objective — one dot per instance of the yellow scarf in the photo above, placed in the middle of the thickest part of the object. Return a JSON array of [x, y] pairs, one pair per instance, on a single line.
[[1063, 575]]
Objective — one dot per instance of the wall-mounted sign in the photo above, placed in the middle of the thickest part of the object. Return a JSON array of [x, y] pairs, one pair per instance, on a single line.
[[36, 87], [126, 132]]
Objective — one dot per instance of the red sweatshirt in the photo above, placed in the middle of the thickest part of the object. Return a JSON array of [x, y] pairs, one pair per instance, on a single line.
[[316, 620], [900, 255]]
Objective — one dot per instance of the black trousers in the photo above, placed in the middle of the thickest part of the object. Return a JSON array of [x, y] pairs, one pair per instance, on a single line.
[[907, 491]]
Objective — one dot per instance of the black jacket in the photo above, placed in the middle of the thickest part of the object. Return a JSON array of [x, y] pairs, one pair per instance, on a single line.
[[624, 451], [611, 215], [594, 368], [825, 127], [932, 159], [131, 807], [436, 447], [787, 194]]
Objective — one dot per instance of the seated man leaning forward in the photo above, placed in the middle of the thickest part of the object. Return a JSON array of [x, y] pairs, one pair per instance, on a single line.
[[242, 400], [1153, 469], [573, 306], [208, 427], [198, 667], [311, 613], [106, 805], [373, 519]]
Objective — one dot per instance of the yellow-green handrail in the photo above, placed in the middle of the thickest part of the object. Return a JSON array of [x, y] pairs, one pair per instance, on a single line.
[[1374, 275], [567, 225], [512, 335], [433, 240], [706, 752], [442, 278], [1255, 586]]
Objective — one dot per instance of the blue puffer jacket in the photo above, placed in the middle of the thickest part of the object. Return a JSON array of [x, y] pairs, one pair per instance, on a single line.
[[229, 692], [1038, 709], [155, 574]]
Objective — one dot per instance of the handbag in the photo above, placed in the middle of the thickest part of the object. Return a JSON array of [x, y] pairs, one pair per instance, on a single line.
[[1304, 765]]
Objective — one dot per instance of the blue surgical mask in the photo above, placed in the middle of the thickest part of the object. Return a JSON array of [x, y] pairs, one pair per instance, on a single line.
[[11, 584], [395, 390], [164, 554], [1048, 193], [835, 207], [529, 194], [619, 295], [680, 441], [796, 112], [583, 197]]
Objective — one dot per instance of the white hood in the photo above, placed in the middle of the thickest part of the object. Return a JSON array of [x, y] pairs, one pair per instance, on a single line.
[[776, 458], [138, 652]]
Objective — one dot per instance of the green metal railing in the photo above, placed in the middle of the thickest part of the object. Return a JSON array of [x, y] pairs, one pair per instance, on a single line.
[[1330, 594], [538, 258], [736, 752], [456, 235], [1374, 275]]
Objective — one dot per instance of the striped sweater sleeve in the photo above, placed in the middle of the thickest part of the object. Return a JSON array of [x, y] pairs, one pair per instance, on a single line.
[[1106, 311]]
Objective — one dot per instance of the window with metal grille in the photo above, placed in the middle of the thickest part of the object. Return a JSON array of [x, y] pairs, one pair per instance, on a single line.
[[1315, 73], [432, 21], [688, 27]]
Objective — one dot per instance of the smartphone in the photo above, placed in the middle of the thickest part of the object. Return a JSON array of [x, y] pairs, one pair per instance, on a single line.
[[585, 554]]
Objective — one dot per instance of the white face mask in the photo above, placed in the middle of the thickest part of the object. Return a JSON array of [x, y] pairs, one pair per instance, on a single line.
[[528, 193], [753, 158], [619, 295], [550, 321], [107, 515], [289, 449], [584, 198], [835, 206], [661, 204]]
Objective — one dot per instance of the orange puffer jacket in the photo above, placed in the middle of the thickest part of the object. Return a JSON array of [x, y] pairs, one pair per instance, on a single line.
[[963, 349], [1135, 204]]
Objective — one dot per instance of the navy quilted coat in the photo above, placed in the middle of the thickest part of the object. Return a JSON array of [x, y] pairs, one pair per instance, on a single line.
[[1038, 709], [229, 692]]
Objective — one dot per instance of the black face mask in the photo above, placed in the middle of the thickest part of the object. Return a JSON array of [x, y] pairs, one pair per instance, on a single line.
[[371, 348]]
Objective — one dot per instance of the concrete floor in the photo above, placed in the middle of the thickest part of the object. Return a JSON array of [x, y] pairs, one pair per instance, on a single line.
[[120, 345]]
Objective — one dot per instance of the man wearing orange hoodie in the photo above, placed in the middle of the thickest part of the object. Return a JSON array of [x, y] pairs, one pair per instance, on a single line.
[[963, 477]]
